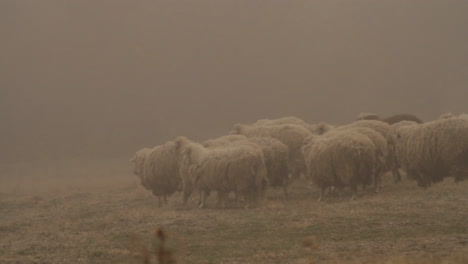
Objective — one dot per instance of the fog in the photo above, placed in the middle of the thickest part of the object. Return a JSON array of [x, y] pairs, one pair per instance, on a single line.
[[101, 79]]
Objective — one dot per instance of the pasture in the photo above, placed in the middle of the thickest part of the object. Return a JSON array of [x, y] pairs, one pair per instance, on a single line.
[[95, 212]]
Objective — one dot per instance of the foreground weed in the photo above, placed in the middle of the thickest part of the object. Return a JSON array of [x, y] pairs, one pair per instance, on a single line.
[[158, 253]]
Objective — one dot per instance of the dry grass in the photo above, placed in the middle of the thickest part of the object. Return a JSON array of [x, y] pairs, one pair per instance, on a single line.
[[97, 214]]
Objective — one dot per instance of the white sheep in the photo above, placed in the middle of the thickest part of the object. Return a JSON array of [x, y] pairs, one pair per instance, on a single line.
[[158, 170], [389, 134], [434, 150], [274, 151], [291, 135], [381, 150], [340, 159], [236, 167]]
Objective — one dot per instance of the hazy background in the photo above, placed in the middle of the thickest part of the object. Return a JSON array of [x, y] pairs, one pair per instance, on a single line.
[[101, 79]]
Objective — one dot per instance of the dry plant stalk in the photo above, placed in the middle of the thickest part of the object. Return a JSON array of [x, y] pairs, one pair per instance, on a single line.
[[160, 252]]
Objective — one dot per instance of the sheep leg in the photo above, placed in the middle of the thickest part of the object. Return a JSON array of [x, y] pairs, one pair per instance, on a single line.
[[203, 197], [340, 194], [159, 201], [221, 199], [165, 199], [218, 202], [294, 174], [421, 179], [377, 179], [396, 175], [285, 191], [460, 175], [237, 198], [354, 192], [323, 191], [186, 195], [377, 182], [247, 199]]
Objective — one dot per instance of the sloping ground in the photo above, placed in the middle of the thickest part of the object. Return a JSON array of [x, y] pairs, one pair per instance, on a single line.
[[107, 218]]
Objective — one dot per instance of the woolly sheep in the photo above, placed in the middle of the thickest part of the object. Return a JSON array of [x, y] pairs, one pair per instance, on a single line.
[[158, 170], [340, 159], [138, 161], [399, 151], [381, 150], [276, 161], [274, 151], [389, 134], [239, 168], [434, 150], [400, 147], [291, 135]]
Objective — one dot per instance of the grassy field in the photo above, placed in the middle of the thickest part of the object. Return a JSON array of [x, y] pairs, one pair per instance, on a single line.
[[96, 213]]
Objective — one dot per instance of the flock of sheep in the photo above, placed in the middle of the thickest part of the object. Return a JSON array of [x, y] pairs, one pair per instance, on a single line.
[[276, 152]]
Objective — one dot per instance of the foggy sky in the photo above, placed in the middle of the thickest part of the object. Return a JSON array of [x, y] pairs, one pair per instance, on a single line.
[[103, 78]]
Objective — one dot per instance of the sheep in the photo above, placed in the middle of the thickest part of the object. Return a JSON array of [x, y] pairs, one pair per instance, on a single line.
[[235, 167], [138, 161], [381, 150], [274, 151], [222, 142], [400, 148], [434, 150], [276, 161], [340, 159], [391, 119], [291, 135], [158, 170], [388, 133]]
